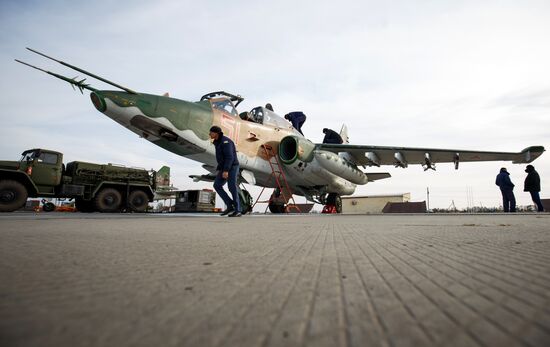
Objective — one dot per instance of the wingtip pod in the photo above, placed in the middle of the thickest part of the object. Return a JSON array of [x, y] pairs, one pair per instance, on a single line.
[[529, 154]]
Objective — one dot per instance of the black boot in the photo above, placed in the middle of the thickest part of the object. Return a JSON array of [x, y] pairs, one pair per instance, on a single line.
[[227, 211]]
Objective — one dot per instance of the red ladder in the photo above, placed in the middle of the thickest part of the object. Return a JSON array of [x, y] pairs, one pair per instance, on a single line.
[[280, 180]]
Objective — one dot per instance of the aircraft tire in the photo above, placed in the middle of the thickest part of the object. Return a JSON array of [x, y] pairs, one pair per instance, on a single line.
[[335, 200], [245, 201], [276, 208], [108, 200], [13, 195], [84, 206], [138, 201]]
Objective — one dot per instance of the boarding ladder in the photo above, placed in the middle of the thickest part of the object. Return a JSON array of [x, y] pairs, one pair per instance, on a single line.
[[280, 180]]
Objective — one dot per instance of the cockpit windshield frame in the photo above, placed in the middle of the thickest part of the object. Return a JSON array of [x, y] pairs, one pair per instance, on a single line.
[[262, 115], [225, 105]]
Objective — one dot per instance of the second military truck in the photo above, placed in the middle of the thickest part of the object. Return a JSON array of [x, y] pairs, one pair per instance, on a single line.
[[95, 187]]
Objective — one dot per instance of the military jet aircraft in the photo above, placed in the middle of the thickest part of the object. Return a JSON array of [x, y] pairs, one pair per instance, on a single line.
[[270, 150]]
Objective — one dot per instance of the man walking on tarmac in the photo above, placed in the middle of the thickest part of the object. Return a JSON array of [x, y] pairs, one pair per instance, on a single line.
[[228, 171]]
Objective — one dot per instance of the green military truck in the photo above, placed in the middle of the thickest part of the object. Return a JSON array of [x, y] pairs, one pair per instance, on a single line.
[[95, 187]]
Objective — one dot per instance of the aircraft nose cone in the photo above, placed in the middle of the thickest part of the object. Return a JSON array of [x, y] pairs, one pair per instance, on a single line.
[[98, 101]]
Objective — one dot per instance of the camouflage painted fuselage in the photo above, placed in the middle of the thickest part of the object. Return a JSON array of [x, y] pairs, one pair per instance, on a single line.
[[182, 127]]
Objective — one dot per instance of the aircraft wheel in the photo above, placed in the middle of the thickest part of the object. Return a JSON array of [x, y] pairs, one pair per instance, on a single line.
[[138, 201], [84, 206], [335, 200], [108, 200], [276, 208], [245, 200], [13, 195]]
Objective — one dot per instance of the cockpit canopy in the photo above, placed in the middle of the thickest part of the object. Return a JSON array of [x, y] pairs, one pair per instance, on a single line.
[[227, 103], [214, 95], [264, 116], [224, 105]]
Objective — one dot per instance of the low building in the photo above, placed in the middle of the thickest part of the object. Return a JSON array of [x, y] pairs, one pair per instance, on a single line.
[[370, 203], [405, 207]]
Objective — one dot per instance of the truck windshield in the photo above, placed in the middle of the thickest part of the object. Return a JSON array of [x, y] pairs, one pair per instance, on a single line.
[[48, 158], [27, 156]]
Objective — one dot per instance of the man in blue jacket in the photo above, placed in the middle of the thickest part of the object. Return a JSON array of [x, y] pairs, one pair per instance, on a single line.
[[297, 119], [228, 171], [507, 190]]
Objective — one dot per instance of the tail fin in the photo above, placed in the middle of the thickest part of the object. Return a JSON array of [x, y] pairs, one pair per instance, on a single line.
[[344, 133], [163, 178]]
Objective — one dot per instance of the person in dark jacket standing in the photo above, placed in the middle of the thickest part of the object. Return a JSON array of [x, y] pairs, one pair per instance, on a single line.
[[228, 171], [332, 136], [507, 190], [297, 118], [532, 185]]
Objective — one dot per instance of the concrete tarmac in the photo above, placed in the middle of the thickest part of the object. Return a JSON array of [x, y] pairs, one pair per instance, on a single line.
[[298, 280]]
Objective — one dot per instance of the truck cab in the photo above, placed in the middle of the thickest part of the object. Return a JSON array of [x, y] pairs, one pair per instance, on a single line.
[[45, 167]]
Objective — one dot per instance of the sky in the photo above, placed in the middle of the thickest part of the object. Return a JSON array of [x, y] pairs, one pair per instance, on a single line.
[[438, 74]]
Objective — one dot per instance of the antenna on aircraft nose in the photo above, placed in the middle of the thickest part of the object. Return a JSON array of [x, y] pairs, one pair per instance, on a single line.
[[83, 71], [73, 81]]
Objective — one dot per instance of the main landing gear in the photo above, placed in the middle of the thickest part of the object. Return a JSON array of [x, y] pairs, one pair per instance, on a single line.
[[332, 202], [276, 202], [245, 200]]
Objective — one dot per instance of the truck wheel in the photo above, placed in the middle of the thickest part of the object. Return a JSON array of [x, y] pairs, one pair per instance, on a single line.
[[108, 200], [84, 206], [48, 207], [13, 195], [138, 201]]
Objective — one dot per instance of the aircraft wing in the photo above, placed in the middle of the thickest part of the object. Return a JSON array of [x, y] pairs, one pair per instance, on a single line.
[[403, 156]]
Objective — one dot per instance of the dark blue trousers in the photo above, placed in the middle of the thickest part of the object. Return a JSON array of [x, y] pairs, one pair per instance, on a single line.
[[231, 181], [508, 200], [297, 123], [536, 199]]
